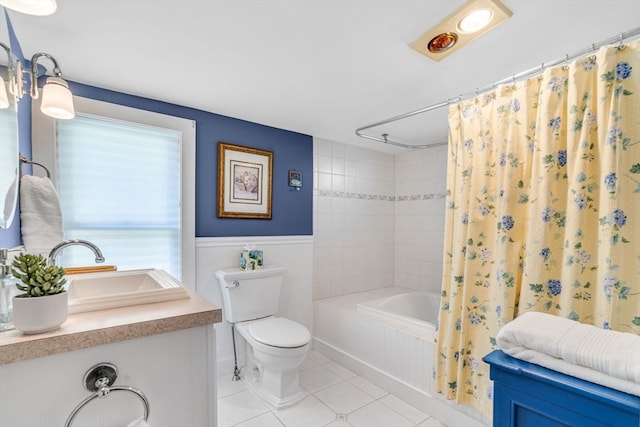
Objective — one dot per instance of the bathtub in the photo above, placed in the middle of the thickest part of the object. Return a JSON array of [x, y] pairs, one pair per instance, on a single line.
[[387, 337], [418, 309]]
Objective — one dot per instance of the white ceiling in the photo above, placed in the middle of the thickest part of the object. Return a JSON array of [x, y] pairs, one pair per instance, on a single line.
[[319, 67]]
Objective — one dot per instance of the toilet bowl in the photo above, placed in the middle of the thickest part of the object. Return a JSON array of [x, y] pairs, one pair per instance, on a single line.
[[276, 346], [275, 349]]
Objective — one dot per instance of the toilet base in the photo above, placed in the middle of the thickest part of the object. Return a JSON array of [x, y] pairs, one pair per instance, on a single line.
[[253, 379]]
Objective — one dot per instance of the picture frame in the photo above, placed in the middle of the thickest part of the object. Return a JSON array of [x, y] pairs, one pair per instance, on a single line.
[[295, 179], [244, 182]]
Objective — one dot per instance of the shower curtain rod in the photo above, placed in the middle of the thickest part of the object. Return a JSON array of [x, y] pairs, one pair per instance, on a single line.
[[519, 76]]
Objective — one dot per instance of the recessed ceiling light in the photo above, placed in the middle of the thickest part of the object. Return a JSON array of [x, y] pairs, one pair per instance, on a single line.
[[467, 23], [475, 21]]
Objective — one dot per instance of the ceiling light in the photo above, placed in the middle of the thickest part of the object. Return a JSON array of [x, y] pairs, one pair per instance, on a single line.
[[442, 42], [473, 19], [31, 7]]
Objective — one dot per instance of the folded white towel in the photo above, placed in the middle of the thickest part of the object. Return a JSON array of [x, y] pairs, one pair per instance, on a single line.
[[40, 214], [140, 422], [604, 357]]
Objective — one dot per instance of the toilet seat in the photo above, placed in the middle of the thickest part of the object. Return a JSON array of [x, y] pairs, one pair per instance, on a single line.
[[279, 332]]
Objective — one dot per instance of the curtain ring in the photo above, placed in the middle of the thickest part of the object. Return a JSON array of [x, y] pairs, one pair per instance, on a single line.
[[566, 62], [540, 77], [593, 52], [621, 45]]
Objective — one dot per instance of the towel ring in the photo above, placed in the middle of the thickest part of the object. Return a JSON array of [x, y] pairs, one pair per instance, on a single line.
[[23, 160], [97, 380]]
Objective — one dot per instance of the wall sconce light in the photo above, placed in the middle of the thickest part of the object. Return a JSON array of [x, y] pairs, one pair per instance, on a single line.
[[57, 100], [4, 97], [31, 7]]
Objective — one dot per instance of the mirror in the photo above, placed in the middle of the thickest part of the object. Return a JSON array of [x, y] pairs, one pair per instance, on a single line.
[[9, 154], [9, 143]]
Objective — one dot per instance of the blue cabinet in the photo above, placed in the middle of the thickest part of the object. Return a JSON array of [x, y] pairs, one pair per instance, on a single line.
[[528, 395]]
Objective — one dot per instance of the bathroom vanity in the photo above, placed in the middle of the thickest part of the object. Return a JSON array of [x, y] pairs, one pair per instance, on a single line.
[[166, 350], [528, 395]]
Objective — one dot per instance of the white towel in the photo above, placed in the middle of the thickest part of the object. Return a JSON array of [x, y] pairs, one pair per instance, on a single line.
[[40, 214], [140, 422], [604, 357], [9, 200]]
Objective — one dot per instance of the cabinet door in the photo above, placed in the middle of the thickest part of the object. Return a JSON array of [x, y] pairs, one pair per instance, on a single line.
[[516, 409]]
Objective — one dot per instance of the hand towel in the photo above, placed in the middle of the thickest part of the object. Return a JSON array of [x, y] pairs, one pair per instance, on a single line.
[[604, 357], [40, 214], [9, 202], [140, 422]]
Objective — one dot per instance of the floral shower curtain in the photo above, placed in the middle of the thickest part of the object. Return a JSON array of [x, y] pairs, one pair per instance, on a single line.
[[543, 211]]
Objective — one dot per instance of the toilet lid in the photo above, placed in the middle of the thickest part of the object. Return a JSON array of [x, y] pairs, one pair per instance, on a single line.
[[279, 332]]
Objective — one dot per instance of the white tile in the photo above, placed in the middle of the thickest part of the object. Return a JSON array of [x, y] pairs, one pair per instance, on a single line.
[[344, 398], [308, 413], [318, 357], [317, 378], [264, 420], [227, 386], [339, 423], [339, 370], [369, 388], [404, 409], [377, 415], [239, 407], [431, 422], [307, 364]]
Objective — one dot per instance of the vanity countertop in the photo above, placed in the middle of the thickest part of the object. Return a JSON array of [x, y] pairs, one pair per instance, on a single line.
[[84, 330]]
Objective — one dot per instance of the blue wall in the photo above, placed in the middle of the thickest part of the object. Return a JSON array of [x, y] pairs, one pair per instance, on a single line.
[[11, 237], [291, 210]]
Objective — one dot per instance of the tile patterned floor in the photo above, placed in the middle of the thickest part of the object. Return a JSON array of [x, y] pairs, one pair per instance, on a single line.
[[336, 397]]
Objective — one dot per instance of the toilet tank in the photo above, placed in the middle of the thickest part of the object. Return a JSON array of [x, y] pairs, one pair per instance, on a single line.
[[250, 294]]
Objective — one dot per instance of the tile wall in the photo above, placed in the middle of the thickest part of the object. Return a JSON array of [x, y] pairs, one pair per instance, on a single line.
[[421, 178], [353, 221], [378, 218]]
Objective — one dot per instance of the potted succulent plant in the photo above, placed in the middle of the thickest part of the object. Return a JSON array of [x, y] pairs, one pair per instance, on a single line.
[[44, 304]]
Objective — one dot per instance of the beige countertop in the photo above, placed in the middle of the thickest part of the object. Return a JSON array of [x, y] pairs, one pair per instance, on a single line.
[[84, 330]]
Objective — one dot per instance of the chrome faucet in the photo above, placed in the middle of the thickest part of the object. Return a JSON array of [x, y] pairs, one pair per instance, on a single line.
[[60, 246]]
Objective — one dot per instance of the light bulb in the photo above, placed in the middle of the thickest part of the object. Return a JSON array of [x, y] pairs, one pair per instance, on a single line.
[[57, 100], [475, 21], [31, 7], [4, 99]]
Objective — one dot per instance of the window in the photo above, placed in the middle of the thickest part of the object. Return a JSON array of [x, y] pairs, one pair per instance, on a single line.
[[123, 177]]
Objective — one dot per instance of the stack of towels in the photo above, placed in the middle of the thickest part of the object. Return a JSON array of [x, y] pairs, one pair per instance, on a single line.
[[604, 357], [40, 215]]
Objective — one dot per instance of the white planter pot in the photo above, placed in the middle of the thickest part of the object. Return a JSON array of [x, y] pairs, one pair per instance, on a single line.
[[34, 315]]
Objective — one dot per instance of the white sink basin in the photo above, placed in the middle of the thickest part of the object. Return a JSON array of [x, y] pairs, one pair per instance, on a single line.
[[99, 291]]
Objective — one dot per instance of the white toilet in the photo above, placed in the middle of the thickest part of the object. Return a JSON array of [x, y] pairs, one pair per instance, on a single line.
[[275, 346]]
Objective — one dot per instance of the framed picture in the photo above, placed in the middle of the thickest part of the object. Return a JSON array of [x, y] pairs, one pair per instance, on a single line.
[[295, 179], [244, 182]]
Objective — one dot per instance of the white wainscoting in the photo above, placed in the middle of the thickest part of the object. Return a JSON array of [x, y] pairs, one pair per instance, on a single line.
[[293, 252]]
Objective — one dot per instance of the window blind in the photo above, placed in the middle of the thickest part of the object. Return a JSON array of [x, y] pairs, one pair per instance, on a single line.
[[119, 187]]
